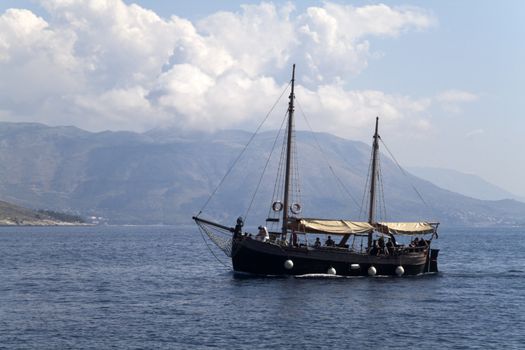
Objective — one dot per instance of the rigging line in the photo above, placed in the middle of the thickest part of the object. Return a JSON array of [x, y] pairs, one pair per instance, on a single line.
[[279, 181], [264, 169], [378, 205], [382, 191], [406, 175], [325, 156], [378, 193], [212, 252], [366, 194], [244, 149], [296, 185]]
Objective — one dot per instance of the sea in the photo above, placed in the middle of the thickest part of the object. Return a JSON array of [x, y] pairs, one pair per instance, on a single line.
[[163, 287]]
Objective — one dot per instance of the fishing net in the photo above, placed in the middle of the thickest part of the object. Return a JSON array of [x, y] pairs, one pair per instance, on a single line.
[[221, 237]]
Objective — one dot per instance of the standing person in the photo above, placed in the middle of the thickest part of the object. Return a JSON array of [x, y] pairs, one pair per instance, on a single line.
[[237, 231], [294, 238], [390, 246], [374, 250], [381, 244]]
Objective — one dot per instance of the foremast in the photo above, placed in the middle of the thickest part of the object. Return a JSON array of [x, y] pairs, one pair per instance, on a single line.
[[288, 159], [373, 176]]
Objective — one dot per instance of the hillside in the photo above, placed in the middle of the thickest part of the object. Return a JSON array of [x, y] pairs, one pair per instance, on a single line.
[[165, 176], [466, 184], [11, 215]]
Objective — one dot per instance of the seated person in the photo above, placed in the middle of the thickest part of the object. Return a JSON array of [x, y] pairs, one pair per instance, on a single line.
[[415, 242], [317, 242], [262, 235], [330, 242]]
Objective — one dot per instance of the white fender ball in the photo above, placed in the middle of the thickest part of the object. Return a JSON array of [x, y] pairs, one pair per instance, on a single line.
[[400, 271], [331, 271], [288, 264], [355, 267], [372, 271]]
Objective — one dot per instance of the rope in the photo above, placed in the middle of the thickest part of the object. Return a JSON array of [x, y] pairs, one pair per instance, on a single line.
[[325, 157], [382, 204], [244, 149], [366, 195], [296, 184], [406, 175], [264, 169], [201, 229], [278, 189]]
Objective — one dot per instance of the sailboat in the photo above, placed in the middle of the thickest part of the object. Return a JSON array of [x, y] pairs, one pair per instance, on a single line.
[[279, 252]]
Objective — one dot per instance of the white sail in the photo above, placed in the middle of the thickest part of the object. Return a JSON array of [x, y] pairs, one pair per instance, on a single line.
[[334, 227], [407, 228]]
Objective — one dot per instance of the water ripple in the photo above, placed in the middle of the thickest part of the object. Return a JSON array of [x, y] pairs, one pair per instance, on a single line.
[[159, 288]]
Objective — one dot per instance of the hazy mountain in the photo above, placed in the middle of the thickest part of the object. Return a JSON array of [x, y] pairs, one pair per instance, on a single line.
[[166, 176], [467, 184]]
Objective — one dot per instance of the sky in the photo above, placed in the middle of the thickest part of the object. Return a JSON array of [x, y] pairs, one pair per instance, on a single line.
[[446, 78]]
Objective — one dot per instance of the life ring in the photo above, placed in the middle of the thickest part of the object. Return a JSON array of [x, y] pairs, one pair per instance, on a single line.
[[277, 206], [295, 208]]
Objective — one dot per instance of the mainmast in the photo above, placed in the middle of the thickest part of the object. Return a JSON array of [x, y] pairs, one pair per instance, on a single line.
[[373, 176], [288, 158]]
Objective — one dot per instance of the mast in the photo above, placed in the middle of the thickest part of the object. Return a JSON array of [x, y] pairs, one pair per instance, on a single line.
[[288, 159], [375, 147]]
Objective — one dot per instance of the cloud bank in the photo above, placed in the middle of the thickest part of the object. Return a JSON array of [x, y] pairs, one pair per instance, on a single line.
[[103, 64]]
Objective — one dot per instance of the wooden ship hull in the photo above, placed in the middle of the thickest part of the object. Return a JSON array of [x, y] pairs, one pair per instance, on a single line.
[[266, 258]]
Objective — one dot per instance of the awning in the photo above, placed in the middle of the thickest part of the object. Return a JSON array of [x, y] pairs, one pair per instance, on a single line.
[[334, 227], [406, 228]]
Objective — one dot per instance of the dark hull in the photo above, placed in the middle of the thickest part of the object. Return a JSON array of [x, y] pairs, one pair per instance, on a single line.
[[251, 256]]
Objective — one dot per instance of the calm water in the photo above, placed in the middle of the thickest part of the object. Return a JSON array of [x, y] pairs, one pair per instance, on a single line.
[[159, 287]]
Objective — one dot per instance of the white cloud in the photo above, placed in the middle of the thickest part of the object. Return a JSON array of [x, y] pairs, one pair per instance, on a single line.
[[258, 39], [456, 96], [333, 109], [451, 100], [118, 108], [333, 37], [107, 65], [474, 132]]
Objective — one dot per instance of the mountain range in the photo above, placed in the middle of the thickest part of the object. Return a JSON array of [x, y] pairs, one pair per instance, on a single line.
[[166, 176], [467, 184]]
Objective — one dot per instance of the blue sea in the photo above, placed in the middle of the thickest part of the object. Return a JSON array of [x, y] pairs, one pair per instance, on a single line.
[[144, 287]]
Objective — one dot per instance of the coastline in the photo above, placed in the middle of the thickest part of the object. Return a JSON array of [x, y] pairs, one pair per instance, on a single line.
[[15, 222]]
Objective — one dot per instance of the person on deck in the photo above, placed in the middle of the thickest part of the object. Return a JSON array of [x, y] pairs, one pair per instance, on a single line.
[[317, 243], [262, 235], [237, 231], [390, 245], [330, 242], [415, 242], [294, 238], [381, 244], [374, 250], [393, 238]]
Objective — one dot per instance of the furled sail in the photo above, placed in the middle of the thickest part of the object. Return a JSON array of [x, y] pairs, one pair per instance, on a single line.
[[406, 228], [334, 227]]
